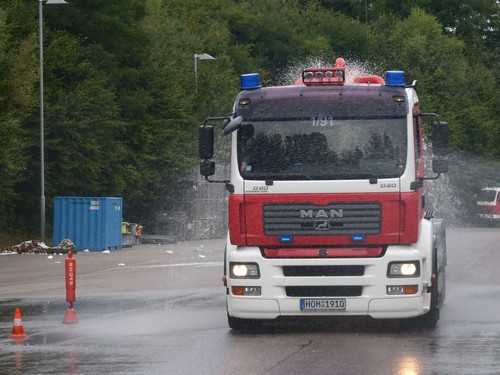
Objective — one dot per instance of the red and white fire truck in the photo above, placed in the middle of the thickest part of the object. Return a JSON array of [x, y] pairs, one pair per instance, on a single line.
[[326, 200], [488, 205]]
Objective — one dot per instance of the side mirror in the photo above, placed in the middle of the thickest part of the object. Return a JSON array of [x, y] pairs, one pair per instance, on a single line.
[[207, 168], [440, 138], [206, 142], [440, 165], [440, 134]]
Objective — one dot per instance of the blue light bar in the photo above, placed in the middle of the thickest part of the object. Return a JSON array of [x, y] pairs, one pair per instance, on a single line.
[[250, 81], [395, 78], [358, 237], [286, 238]]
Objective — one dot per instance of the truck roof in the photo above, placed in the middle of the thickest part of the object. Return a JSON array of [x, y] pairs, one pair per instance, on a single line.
[[361, 101]]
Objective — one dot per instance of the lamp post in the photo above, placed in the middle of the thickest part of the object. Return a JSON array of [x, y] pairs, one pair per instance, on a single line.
[[202, 56], [42, 146]]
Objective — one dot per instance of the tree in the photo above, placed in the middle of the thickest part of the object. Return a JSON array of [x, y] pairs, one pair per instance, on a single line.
[[122, 109], [17, 98], [419, 46]]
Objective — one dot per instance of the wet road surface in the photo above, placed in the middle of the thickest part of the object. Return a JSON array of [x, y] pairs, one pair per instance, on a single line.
[[161, 310]]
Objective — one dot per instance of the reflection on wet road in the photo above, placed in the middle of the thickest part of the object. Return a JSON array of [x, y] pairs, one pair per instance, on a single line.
[[182, 329]]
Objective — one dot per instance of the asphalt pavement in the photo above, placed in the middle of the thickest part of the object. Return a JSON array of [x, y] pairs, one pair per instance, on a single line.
[[143, 267], [160, 309]]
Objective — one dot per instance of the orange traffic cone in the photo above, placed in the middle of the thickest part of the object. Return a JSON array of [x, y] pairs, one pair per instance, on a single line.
[[18, 328]]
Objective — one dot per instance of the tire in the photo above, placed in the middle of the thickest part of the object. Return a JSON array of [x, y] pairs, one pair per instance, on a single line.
[[430, 318]]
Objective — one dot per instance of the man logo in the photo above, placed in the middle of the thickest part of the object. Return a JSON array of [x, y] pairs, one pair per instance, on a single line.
[[321, 225], [321, 214]]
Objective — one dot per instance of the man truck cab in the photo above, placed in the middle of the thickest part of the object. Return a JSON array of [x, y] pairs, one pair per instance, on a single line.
[[326, 212]]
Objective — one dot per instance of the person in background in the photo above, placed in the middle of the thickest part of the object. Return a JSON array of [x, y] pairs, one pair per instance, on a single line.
[[138, 234]]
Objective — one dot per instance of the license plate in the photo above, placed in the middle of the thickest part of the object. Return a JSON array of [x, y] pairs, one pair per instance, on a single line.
[[338, 304]]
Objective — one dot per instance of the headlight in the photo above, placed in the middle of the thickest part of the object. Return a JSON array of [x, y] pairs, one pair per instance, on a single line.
[[403, 269], [244, 270]]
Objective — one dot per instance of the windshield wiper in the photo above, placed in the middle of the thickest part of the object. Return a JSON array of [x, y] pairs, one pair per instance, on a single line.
[[373, 179], [276, 177]]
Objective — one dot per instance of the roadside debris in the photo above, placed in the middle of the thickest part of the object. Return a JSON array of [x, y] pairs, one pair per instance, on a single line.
[[39, 247], [202, 250]]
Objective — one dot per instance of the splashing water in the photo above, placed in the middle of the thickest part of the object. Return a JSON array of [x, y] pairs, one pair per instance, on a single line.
[[441, 196], [443, 199], [354, 68], [468, 174]]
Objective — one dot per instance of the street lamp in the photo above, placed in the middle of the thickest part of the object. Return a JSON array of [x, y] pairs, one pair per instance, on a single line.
[[42, 146], [202, 56]]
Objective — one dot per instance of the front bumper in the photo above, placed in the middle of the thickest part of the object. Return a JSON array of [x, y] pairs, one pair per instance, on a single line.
[[373, 300], [379, 308], [491, 217]]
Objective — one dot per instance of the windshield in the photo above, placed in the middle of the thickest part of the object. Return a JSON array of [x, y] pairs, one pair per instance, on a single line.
[[322, 149], [487, 195]]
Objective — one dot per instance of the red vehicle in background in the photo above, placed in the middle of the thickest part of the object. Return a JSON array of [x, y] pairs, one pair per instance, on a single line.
[[488, 205]]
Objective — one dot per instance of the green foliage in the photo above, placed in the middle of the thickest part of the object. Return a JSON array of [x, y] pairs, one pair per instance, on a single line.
[[122, 108], [419, 46]]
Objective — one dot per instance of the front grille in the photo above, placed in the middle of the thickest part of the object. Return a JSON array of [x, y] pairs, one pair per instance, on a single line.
[[324, 291], [291, 271], [308, 219]]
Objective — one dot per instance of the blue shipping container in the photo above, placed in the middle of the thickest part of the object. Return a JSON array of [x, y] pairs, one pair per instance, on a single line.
[[92, 223]]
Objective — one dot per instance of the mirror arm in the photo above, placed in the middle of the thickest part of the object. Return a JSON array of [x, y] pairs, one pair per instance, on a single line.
[[431, 114], [217, 181], [430, 178], [229, 186], [215, 118], [415, 185]]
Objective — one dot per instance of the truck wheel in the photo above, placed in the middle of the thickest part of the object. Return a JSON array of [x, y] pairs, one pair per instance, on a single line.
[[430, 319]]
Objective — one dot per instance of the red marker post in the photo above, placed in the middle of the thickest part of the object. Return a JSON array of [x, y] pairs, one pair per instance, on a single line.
[[70, 316]]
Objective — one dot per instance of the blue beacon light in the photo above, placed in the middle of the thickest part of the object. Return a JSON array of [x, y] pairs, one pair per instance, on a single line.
[[250, 81], [395, 78]]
